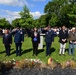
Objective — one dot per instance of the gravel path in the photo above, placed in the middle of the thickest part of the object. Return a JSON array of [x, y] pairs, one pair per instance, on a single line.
[[38, 71]]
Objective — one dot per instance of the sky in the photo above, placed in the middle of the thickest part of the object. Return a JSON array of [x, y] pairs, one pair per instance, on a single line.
[[10, 9]]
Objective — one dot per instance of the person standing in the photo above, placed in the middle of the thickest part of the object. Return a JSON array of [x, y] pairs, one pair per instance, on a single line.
[[18, 39], [35, 41], [49, 39], [72, 41], [7, 41], [23, 35], [63, 36]]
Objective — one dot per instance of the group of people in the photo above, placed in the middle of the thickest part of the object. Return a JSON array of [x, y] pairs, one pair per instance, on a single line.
[[18, 39], [64, 36]]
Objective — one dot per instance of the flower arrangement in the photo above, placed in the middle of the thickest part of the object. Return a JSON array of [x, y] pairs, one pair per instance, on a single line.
[[30, 63], [52, 63], [70, 63], [26, 63]]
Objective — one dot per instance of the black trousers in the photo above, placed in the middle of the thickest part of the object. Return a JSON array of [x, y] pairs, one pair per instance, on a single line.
[[35, 48], [7, 49], [18, 48]]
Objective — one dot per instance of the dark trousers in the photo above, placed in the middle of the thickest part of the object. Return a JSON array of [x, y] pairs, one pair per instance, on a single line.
[[7, 49], [48, 45], [35, 48], [18, 48]]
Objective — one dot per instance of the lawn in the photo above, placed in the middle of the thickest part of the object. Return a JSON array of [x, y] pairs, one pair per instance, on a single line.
[[27, 52]]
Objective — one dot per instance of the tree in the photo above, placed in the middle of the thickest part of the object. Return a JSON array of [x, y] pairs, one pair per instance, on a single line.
[[72, 15], [25, 13], [64, 12], [54, 19], [44, 20], [4, 23], [15, 22], [26, 19]]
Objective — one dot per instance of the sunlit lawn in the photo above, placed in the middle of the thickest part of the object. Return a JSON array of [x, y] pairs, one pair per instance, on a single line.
[[27, 52]]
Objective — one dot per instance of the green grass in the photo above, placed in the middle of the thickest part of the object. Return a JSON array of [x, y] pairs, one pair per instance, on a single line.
[[27, 52]]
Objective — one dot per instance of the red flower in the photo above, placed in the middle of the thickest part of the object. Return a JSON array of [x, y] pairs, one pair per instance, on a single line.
[[17, 62], [33, 63], [50, 59]]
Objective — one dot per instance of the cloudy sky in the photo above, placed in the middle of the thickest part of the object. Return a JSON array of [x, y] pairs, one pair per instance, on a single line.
[[9, 9]]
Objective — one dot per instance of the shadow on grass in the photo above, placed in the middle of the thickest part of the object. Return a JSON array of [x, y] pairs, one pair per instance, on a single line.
[[5, 51], [12, 49], [14, 52], [22, 51], [2, 52], [52, 50], [44, 46], [40, 51], [66, 50], [26, 51]]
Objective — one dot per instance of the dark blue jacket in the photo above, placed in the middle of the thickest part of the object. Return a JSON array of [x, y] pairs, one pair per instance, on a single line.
[[7, 40], [49, 37], [18, 38]]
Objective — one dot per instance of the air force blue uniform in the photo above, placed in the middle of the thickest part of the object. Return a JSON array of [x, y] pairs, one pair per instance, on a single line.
[[49, 38], [18, 38]]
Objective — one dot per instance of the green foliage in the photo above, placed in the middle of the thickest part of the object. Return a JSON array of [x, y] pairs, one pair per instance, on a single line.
[[15, 23], [72, 15], [43, 21], [26, 19], [25, 12], [22, 22], [65, 11], [4, 23], [54, 19], [36, 23]]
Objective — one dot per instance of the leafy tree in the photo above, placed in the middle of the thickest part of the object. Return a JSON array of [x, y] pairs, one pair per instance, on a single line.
[[15, 22], [72, 15], [26, 19], [25, 13], [54, 19], [4, 23], [64, 12]]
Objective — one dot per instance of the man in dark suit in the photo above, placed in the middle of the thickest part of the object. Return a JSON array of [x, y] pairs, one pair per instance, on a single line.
[[63, 36], [18, 39], [49, 38], [7, 41]]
